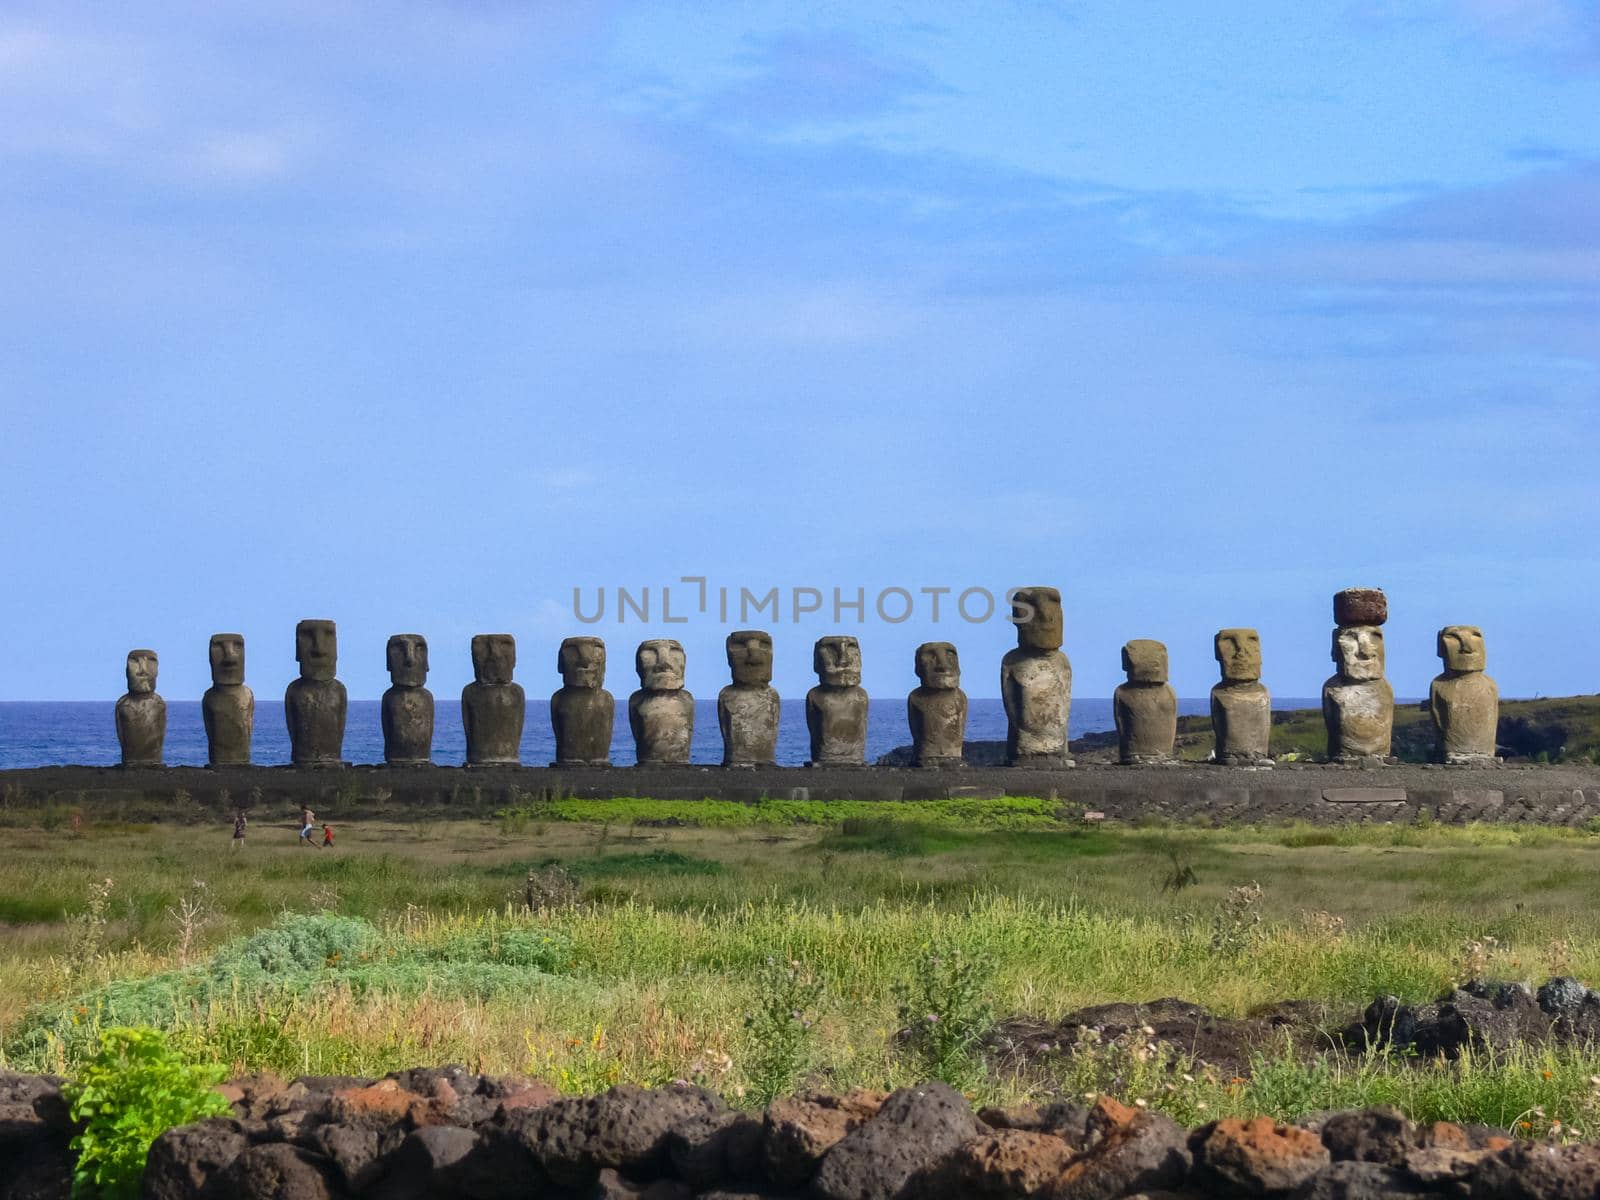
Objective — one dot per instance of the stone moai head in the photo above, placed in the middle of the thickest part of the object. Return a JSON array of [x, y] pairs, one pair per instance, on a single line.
[[1461, 647], [316, 649], [1239, 653], [407, 656], [494, 657], [660, 663], [938, 666], [837, 661], [582, 662], [1145, 661], [142, 667], [227, 659], [1358, 649], [1044, 629], [1360, 606], [750, 657]]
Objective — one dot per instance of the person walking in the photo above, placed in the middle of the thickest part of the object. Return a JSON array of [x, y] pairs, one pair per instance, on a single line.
[[239, 822], [307, 820], [327, 835]]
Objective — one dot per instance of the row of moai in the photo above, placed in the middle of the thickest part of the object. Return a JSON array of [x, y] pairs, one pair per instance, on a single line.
[[1035, 685]]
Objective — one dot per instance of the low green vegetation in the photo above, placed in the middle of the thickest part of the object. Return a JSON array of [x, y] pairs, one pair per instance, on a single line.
[[131, 1089], [758, 955]]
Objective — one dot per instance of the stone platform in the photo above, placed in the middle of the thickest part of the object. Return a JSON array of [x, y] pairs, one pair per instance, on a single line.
[[1542, 794]]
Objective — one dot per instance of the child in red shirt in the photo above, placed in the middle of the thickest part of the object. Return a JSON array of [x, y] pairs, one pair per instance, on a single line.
[[327, 835]]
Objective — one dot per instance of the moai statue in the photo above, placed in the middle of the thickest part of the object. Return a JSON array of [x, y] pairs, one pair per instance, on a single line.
[[1241, 707], [1146, 707], [937, 710], [747, 709], [1464, 702], [661, 712], [1357, 701], [408, 704], [228, 707], [1036, 684], [141, 714], [492, 707], [836, 709], [315, 704], [581, 712]]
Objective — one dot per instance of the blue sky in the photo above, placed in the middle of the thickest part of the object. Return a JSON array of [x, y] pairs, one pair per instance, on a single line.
[[418, 316]]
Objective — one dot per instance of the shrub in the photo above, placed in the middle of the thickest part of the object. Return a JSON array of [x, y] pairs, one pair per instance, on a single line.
[[132, 1091], [781, 1027], [945, 1011]]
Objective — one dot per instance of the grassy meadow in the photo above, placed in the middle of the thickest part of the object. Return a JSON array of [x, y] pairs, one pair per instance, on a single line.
[[770, 947]]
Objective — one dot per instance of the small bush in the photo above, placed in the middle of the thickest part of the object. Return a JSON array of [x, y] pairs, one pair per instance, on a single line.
[[781, 1027], [945, 1011], [132, 1091]]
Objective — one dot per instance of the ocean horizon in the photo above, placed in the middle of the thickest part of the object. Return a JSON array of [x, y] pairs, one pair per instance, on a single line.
[[83, 732]]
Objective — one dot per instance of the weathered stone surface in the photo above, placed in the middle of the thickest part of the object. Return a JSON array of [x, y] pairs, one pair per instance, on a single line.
[[836, 709], [1241, 707], [937, 710], [1258, 1157], [1146, 707], [747, 710], [141, 714], [613, 1185], [492, 706], [1146, 1154], [913, 1131], [716, 1148], [354, 1152], [1007, 1164], [275, 1172], [1360, 606], [1380, 1134], [661, 712], [582, 711], [1036, 683], [1463, 701], [315, 704], [182, 1162], [228, 707], [625, 1128], [799, 1130], [1537, 1171], [1357, 701], [1361, 1181], [407, 710]]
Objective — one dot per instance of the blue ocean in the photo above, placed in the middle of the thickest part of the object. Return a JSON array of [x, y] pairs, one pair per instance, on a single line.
[[38, 734]]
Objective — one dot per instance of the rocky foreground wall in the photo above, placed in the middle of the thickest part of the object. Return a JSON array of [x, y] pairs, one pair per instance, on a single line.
[[1545, 794], [447, 1133]]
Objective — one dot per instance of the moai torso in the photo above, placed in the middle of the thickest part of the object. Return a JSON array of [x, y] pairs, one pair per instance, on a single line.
[[1241, 720], [407, 709], [1145, 708], [141, 714], [937, 711], [748, 708], [1241, 708], [661, 712], [582, 711], [492, 706], [1357, 702], [314, 705], [1036, 684], [836, 709], [228, 706], [1464, 702], [1360, 718]]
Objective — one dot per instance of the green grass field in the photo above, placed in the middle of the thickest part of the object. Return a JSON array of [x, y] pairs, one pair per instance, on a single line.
[[656, 949]]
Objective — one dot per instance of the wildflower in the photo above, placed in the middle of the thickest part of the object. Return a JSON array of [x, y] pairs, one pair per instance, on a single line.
[[1547, 1074], [1141, 1102], [1200, 1106]]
